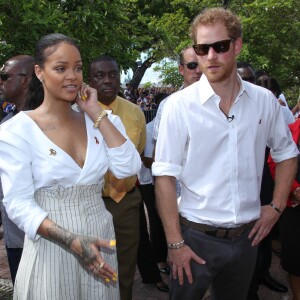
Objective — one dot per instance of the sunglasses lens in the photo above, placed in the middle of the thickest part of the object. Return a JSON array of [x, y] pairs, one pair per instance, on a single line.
[[3, 76], [219, 47], [201, 49], [192, 65], [222, 46]]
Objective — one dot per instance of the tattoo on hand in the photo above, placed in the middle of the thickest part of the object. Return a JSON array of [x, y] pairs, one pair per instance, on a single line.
[[66, 238], [87, 255]]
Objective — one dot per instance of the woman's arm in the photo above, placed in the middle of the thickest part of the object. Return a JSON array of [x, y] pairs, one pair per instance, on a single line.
[[84, 248]]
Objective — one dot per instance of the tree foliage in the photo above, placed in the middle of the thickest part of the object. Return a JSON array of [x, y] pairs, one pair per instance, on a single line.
[[169, 73], [98, 26], [159, 29]]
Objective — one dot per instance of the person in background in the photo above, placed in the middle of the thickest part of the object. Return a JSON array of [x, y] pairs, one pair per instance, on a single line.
[[262, 75], [212, 138], [52, 165], [189, 68], [261, 273], [122, 199], [289, 223], [152, 251], [296, 108], [272, 84], [246, 71], [15, 78]]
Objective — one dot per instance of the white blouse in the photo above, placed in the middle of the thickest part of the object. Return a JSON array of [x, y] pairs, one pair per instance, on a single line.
[[29, 161]]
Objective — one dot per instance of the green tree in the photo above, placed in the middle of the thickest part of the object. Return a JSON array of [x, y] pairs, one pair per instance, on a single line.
[[159, 29], [98, 26], [272, 38], [169, 73]]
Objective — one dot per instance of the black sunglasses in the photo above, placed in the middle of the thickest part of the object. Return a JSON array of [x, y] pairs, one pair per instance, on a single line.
[[219, 47], [5, 76], [192, 65]]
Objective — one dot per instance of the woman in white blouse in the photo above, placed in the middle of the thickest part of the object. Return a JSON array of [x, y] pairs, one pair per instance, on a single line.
[[52, 162]]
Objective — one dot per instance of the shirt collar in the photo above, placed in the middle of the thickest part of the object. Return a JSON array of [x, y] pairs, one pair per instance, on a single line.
[[207, 91], [113, 106]]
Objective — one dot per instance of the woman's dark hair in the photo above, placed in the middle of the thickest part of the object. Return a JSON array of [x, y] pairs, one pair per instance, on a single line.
[[43, 49], [47, 46], [35, 94], [270, 84]]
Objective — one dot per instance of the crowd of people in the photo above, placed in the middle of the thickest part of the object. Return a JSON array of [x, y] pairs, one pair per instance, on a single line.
[[82, 169], [145, 98]]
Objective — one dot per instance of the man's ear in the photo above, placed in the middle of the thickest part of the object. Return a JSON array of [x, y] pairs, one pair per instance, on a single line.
[[238, 43], [181, 69], [26, 81]]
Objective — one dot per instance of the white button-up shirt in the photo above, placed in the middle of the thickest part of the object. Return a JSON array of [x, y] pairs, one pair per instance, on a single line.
[[29, 161], [219, 161]]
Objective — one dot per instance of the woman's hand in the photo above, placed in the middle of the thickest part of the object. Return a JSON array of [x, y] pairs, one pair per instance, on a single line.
[[87, 100], [86, 250]]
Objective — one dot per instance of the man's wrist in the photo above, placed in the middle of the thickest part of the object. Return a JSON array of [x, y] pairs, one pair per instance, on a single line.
[[276, 208], [176, 245]]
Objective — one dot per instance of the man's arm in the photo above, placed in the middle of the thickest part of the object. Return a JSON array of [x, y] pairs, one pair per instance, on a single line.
[[165, 188], [285, 175]]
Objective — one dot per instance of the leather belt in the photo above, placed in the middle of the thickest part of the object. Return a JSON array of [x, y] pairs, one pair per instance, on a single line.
[[220, 232]]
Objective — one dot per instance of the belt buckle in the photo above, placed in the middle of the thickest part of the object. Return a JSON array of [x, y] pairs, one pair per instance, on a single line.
[[239, 232]]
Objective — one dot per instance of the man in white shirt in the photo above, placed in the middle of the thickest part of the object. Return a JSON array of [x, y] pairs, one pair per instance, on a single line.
[[212, 138]]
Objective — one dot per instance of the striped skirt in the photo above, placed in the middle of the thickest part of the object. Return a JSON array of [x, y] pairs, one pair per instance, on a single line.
[[48, 271]]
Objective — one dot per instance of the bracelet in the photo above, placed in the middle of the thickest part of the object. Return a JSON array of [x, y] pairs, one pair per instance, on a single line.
[[176, 245], [276, 208], [102, 114]]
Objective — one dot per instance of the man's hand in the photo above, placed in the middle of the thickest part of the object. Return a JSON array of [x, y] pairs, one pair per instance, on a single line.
[[268, 217], [180, 262]]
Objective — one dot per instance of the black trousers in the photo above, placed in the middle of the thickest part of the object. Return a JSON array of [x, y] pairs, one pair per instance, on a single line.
[[126, 222], [228, 270], [152, 248], [157, 234], [14, 256]]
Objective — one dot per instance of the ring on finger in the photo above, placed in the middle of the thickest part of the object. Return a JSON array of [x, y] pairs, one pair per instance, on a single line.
[[101, 266]]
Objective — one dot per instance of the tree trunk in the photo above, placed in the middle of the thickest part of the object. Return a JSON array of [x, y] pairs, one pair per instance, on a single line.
[[139, 72]]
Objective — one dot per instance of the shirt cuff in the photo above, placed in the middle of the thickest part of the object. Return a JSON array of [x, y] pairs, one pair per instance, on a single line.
[[35, 224], [166, 169]]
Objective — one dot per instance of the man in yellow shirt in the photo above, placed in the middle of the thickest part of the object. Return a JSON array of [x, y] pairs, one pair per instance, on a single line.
[[121, 197]]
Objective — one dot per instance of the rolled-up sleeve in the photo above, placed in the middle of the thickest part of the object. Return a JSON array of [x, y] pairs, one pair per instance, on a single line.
[[17, 184], [123, 161], [280, 139]]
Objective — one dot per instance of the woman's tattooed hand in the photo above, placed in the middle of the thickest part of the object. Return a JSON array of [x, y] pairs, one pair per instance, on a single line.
[[82, 246], [85, 248]]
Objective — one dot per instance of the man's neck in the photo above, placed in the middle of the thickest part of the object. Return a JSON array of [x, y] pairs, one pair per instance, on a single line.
[[107, 102], [227, 91]]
